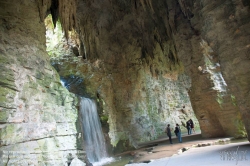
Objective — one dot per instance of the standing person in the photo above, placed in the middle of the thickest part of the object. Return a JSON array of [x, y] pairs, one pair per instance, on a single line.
[[177, 132], [188, 125], [168, 131], [192, 125], [69, 158]]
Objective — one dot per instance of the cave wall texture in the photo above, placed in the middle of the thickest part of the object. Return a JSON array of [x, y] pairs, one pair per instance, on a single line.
[[141, 60], [139, 86], [166, 38], [220, 46], [37, 114]]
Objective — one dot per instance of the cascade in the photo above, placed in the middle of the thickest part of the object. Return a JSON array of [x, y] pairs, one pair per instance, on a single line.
[[92, 131]]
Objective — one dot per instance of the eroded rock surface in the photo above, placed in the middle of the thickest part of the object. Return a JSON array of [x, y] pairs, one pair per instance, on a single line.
[[37, 114], [140, 60], [210, 44], [141, 43]]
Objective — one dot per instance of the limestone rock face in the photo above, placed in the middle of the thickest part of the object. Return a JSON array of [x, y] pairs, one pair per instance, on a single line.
[[136, 111], [231, 47], [210, 44], [137, 44], [37, 114], [129, 64], [147, 63]]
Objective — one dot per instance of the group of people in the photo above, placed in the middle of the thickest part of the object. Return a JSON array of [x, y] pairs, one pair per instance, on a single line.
[[190, 126], [177, 131]]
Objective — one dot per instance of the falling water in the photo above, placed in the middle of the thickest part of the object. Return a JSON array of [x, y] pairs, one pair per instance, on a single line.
[[93, 136]]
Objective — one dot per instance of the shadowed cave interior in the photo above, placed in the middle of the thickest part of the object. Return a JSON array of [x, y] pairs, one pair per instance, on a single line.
[[138, 65]]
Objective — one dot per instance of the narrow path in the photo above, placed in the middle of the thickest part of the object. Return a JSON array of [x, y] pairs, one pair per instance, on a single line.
[[232, 154], [161, 151]]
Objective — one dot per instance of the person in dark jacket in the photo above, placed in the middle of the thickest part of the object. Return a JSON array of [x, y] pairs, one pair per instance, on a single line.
[[192, 125], [177, 132], [188, 126], [168, 131]]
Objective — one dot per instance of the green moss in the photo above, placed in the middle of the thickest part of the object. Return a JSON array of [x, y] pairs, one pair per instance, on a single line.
[[10, 128], [241, 127], [120, 136], [39, 75], [32, 85], [45, 83], [207, 61], [180, 68], [3, 116], [104, 118], [71, 115], [8, 132], [219, 99], [29, 91], [7, 76], [233, 100], [7, 97], [3, 59]]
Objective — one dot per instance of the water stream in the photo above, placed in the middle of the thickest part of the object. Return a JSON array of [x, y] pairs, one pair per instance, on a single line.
[[93, 136]]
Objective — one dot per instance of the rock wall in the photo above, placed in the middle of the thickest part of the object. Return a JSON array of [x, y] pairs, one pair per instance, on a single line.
[[129, 64], [141, 60], [209, 42], [227, 34], [37, 114], [162, 38], [132, 115]]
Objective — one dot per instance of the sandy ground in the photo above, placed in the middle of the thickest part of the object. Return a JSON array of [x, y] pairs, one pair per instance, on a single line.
[[160, 151]]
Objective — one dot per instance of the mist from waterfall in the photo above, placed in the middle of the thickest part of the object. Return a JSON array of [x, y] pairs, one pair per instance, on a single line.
[[93, 136]]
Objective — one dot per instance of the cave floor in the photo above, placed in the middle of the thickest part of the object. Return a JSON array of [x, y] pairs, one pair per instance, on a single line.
[[193, 151]]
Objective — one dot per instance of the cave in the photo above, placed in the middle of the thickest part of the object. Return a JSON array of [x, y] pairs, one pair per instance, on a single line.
[[144, 63]]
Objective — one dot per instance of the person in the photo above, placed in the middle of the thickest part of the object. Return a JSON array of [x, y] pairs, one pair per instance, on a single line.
[[69, 158], [177, 132], [188, 125], [192, 125], [168, 131]]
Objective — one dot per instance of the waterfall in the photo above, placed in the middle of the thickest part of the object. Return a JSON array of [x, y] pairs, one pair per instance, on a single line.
[[93, 136]]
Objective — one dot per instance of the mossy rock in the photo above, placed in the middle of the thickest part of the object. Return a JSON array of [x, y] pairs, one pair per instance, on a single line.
[[7, 98], [4, 116]]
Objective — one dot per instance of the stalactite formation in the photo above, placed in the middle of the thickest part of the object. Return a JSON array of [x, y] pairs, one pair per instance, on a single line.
[[141, 60], [64, 10], [186, 7]]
